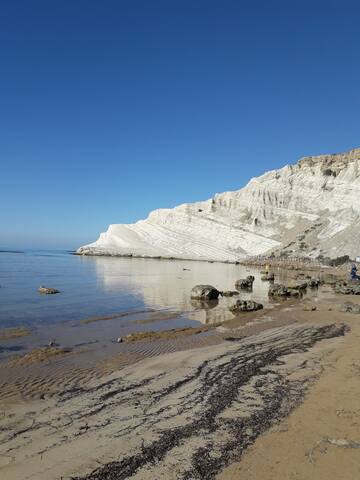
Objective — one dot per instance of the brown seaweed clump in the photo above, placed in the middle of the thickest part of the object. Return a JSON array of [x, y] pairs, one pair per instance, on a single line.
[[43, 354], [10, 333]]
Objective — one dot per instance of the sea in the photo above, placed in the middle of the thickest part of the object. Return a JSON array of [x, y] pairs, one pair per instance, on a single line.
[[101, 286], [103, 299]]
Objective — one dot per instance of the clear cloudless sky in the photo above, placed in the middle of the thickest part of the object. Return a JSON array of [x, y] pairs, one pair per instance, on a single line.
[[110, 109]]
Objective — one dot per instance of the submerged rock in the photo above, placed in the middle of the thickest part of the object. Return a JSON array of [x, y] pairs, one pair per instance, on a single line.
[[229, 293], [204, 304], [245, 284], [268, 277], [48, 290], [204, 292], [245, 306]]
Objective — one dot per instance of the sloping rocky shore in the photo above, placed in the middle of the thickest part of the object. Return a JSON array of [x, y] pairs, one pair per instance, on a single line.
[[310, 208]]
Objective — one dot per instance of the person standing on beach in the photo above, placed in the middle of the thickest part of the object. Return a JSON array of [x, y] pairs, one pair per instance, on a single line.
[[353, 273]]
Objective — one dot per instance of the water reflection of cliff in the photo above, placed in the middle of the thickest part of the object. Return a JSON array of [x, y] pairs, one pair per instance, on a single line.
[[167, 284]]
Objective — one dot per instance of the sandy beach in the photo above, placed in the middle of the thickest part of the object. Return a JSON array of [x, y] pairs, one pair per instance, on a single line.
[[269, 395], [179, 241]]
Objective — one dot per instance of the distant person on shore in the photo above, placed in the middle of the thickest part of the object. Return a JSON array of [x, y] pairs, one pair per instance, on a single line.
[[353, 273]]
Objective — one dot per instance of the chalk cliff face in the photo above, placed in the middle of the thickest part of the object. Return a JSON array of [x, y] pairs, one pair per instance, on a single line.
[[310, 208]]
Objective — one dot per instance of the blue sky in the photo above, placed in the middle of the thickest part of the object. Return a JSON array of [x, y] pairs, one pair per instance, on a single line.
[[109, 109]]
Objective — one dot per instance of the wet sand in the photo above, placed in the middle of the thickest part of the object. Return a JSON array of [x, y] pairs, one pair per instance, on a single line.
[[185, 405], [183, 415], [40, 370], [87, 347]]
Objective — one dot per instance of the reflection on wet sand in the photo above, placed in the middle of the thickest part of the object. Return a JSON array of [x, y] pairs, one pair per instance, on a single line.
[[167, 284], [146, 304]]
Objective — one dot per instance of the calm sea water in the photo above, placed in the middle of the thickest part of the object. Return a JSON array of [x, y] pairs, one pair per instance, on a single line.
[[92, 286]]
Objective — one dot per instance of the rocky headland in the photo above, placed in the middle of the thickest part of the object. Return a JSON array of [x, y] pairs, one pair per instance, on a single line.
[[310, 209]]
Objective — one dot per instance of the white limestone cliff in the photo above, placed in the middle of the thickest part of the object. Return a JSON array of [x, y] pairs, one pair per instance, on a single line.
[[310, 208]]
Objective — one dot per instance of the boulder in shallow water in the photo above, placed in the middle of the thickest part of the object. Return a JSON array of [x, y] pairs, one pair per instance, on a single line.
[[245, 306], [204, 292], [48, 290], [278, 290], [245, 283]]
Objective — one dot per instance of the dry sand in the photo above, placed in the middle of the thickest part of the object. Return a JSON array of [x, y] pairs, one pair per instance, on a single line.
[[320, 439]]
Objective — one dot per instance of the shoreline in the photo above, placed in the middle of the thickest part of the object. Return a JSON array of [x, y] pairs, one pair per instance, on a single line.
[[78, 363], [86, 353], [99, 343], [156, 257], [189, 405], [245, 261], [292, 263]]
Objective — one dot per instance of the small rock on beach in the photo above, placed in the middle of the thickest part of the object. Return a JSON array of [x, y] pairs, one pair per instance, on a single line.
[[245, 306]]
